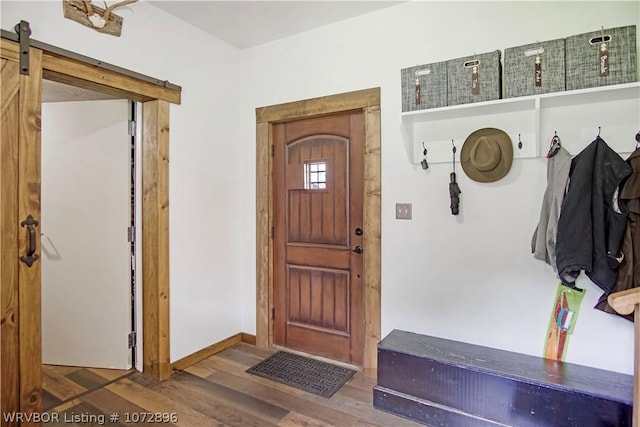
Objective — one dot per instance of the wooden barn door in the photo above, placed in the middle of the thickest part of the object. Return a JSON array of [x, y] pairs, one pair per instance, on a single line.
[[21, 377], [318, 235]]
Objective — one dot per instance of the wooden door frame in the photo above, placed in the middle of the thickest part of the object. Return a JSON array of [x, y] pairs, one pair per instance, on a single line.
[[367, 100], [69, 68]]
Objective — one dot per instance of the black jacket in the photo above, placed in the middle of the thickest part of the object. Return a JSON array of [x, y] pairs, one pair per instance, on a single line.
[[592, 219], [629, 270]]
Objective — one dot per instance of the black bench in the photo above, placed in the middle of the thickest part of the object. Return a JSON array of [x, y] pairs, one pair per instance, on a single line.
[[439, 382]]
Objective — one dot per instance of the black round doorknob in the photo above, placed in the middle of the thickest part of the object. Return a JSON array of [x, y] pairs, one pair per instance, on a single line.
[[358, 231], [358, 250]]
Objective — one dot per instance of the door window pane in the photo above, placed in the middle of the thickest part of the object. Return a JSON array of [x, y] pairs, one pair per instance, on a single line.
[[315, 175]]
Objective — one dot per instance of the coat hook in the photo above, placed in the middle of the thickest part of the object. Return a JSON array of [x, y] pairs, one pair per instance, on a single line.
[[599, 131], [554, 146], [424, 163], [519, 142], [454, 188]]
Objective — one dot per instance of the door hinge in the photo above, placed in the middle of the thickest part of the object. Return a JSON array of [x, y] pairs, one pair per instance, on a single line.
[[273, 150], [131, 234], [273, 313], [132, 128], [132, 339], [24, 31]]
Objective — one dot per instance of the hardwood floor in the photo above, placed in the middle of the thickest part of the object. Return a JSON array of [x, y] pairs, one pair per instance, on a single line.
[[217, 392], [63, 383]]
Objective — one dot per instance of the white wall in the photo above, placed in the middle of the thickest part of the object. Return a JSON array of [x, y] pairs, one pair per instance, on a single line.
[[472, 277], [205, 165]]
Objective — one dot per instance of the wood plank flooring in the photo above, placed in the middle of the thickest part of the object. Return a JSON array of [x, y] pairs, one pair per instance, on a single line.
[[63, 383], [217, 392]]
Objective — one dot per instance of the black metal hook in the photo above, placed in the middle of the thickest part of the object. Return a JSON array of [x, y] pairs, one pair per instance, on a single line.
[[424, 163], [519, 142], [554, 146], [454, 188]]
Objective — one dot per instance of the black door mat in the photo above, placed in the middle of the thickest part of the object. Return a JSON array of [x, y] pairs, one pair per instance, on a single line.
[[303, 373]]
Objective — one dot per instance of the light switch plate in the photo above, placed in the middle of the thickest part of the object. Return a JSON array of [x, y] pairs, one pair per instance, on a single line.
[[403, 210]]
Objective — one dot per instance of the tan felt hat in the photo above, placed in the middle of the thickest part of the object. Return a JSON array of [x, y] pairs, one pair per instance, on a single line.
[[486, 155]]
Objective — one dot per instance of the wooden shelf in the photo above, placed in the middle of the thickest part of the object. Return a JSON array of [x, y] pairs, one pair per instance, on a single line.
[[574, 115]]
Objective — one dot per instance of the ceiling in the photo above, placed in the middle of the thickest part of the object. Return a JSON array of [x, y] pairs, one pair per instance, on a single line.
[[245, 24]]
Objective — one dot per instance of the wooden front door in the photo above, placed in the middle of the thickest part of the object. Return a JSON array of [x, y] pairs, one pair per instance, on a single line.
[[318, 235], [21, 377]]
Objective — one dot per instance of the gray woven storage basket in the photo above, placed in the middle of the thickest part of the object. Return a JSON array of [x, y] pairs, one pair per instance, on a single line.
[[459, 78], [583, 60], [433, 86], [519, 68]]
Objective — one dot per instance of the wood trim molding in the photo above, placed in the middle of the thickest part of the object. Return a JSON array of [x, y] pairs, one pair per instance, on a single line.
[[264, 325], [356, 100], [367, 100], [372, 239], [196, 357], [96, 87], [83, 75], [155, 239], [192, 359], [246, 338]]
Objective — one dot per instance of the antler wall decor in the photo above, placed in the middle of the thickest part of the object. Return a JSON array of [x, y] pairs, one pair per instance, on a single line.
[[92, 16]]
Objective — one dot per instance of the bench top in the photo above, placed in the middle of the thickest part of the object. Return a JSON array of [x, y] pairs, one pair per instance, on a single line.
[[531, 369]]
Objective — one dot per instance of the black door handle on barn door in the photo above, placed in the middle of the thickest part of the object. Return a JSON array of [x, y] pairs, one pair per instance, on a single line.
[[31, 256], [358, 249]]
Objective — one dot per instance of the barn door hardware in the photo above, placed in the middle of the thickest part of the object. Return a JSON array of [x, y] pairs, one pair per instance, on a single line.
[[31, 256], [24, 31]]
